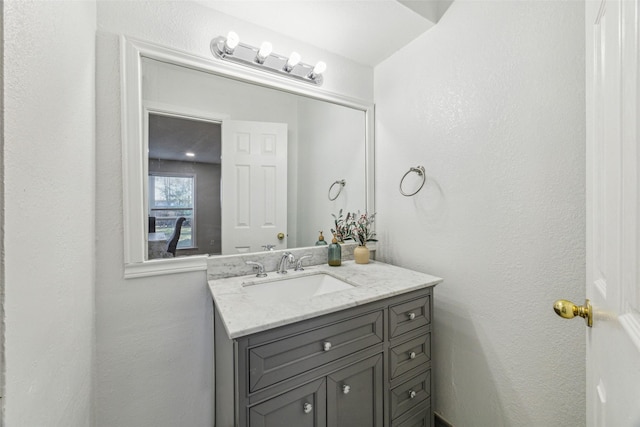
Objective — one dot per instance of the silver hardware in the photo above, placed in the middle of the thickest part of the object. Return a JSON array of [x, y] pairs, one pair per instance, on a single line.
[[412, 394], [420, 171], [346, 389], [307, 407], [287, 258], [268, 247], [299, 263], [412, 316], [342, 183], [326, 346], [245, 54], [257, 266], [412, 355]]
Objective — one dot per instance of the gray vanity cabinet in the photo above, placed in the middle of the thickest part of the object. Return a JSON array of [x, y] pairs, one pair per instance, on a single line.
[[366, 366]]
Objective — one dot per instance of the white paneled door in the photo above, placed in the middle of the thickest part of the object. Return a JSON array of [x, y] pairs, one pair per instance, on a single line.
[[613, 214], [254, 186]]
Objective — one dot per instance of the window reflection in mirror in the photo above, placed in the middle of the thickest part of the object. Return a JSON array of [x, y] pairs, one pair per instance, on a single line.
[[184, 182]]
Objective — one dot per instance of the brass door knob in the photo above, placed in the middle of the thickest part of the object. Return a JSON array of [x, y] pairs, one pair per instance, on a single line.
[[280, 236], [568, 310]]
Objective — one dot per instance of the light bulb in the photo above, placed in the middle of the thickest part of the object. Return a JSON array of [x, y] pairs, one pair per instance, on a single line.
[[292, 61], [231, 42], [264, 52], [320, 68]]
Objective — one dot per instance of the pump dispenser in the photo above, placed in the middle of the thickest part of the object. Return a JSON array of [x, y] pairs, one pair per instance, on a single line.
[[321, 241], [335, 253]]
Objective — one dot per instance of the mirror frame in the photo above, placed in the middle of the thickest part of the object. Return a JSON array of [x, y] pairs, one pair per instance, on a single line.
[[134, 145]]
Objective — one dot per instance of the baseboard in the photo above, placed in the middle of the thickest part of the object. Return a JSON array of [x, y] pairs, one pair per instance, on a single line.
[[441, 422]]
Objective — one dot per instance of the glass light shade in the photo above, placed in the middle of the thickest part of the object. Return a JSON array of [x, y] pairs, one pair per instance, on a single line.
[[232, 41], [293, 60], [265, 50], [320, 68]]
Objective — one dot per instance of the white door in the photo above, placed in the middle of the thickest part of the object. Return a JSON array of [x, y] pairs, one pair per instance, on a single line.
[[613, 226], [254, 186]]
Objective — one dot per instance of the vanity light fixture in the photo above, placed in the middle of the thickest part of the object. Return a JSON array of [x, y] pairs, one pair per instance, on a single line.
[[229, 48]]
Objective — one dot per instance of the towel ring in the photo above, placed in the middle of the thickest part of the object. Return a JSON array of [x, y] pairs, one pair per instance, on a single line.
[[342, 183], [420, 171]]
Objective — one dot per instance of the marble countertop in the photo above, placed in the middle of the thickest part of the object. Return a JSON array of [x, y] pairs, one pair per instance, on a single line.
[[245, 314]]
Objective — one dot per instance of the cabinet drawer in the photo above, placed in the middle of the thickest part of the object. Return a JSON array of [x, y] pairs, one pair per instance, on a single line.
[[409, 355], [421, 417], [285, 358], [409, 315], [409, 394], [304, 406]]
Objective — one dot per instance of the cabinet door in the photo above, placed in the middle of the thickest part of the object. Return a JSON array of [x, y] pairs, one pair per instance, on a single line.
[[304, 406], [355, 395]]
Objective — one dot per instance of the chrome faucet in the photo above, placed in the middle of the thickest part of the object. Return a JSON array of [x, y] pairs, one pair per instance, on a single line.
[[287, 258]]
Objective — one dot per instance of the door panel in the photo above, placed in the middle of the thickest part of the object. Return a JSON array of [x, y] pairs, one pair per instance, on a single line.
[[304, 406], [613, 343], [254, 185], [355, 393]]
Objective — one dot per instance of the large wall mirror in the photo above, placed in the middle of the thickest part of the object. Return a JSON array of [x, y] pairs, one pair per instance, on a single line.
[[219, 161]]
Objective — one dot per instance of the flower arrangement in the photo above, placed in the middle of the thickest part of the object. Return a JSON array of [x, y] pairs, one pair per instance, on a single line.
[[341, 231], [358, 227]]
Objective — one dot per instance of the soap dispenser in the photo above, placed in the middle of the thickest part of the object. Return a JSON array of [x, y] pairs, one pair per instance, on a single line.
[[321, 241], [335, 253]]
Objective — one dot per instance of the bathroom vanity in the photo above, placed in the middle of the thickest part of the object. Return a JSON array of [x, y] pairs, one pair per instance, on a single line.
[[357, 356]]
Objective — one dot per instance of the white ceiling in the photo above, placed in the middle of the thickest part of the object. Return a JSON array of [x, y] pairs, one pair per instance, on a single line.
[[365, 31]]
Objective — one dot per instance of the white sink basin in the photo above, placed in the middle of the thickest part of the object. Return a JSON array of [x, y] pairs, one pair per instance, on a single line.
[[296, 287]]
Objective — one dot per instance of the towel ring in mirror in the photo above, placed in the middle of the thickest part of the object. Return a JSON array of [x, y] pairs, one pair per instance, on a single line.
[[342, 183], [420, 171]]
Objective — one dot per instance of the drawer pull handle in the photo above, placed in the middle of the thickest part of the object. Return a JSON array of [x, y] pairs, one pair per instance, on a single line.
[[412, 394], [326, 346], [307, 408], [412, 355], [346, 389], [412, 316]]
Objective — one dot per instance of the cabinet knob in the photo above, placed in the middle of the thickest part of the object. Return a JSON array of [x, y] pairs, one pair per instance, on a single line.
[[346, 389], [307, 407], [412, 316], [412, 394], [412, 355], [326, 346]]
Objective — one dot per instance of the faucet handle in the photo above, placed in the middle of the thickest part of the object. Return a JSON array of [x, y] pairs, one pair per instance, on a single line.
[[268, 247], [299, 263], [257, 266]]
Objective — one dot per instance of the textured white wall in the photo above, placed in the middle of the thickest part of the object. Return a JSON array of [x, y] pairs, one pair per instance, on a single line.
[[491, 102], [49, 211], [154, 335]]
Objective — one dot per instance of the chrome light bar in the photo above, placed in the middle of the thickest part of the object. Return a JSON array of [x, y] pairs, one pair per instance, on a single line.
[[230, 49]]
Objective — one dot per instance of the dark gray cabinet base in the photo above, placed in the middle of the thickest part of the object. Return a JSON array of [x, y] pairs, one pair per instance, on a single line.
[[368, 366]]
